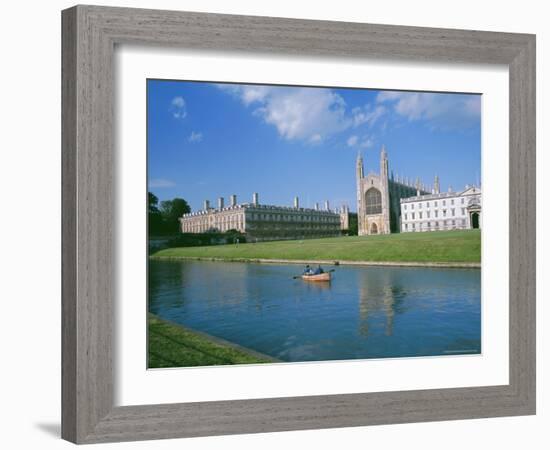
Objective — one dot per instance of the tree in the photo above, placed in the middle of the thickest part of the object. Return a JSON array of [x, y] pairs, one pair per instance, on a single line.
[[154, 215], [353, 226], [171, 211], [152, 202]]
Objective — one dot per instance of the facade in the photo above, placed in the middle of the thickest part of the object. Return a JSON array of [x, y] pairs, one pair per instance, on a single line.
[[264, 222], [442, 211], [378, 198], [385, 204]]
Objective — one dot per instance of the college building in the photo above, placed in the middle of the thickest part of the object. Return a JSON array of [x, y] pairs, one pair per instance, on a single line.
[[442, 211], [385, 204], [266, 222], [388, 204], [379, 196]]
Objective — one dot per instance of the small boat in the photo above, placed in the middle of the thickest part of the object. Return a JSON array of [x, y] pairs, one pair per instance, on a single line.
[[325, 276]]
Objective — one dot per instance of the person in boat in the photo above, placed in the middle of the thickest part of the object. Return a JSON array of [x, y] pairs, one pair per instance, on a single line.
[[319, 270], [307, 270]]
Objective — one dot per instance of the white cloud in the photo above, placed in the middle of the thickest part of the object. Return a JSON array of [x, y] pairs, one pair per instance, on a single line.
[[306, 114], [315, 139], [352, 140], [355, 141], [178, 107], [251, 94], [444, 111], [246, 93], [195, 137], [161, 183], [367, 114]]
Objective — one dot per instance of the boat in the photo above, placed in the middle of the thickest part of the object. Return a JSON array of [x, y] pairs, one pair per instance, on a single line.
[[325, 276]]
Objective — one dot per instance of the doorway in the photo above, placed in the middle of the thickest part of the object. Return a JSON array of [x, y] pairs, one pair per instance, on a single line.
[[475, 220]]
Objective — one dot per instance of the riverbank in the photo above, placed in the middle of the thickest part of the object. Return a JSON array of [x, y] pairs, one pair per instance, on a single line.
[[172, 345], [430, 249]]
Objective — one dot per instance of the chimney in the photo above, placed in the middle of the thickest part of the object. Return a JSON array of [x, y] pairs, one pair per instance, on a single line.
[[233, 200], [220, 203], [316, 206], [255, 199], [327, 206], [206, 205], [296, 202]]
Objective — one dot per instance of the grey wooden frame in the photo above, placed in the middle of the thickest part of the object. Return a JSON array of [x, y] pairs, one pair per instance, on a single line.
[[89, 37]]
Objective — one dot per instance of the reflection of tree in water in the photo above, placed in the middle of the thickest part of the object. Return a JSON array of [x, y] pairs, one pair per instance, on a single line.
[[165, 277], [379, 292]]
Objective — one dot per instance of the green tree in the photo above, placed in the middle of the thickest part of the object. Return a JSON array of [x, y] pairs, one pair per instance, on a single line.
[[171, 211], [152, 202], [155, 225], [353, 226]]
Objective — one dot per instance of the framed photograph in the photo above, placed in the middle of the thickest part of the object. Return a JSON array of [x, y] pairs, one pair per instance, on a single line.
[[278, 224]]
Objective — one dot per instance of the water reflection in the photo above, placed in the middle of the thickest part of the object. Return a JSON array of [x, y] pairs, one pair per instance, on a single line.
[[365, 312]]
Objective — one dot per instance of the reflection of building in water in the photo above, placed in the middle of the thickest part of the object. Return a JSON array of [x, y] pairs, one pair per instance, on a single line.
[[267, 222], [378, 294]]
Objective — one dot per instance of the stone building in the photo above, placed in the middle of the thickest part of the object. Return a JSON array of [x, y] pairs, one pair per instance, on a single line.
[[379, 195], [442, 211], [344, 217], [264, 222]]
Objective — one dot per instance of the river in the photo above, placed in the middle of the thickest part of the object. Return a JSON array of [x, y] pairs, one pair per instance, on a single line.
[[364, 312]]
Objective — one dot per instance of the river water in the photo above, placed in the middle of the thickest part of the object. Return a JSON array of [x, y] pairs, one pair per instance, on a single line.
[[364, 312]]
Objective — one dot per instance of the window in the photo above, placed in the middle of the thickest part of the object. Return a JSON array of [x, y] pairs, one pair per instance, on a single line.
[[412, 206], [405, 207], [406, 226], [413, 216], [428, 214], [405, 216], [373, 201], [435, 203], [420, 206], [444, 203], [427, 204], [452, 201], [462, 200], [436, 213], [429, 224], [452, 212], [420, 215], [463, 211], [413, 226], [444, 213]]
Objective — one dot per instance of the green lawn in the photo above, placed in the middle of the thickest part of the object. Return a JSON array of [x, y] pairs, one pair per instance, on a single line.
[[437, 246], [173, 346]]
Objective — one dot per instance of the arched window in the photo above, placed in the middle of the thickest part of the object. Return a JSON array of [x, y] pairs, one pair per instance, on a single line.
[[373, 201]]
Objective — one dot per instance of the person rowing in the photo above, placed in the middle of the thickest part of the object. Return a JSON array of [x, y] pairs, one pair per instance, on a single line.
[[308, 270], [319, 270]]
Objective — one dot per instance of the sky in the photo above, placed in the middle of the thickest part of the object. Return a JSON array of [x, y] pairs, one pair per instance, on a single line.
[[208, 140]]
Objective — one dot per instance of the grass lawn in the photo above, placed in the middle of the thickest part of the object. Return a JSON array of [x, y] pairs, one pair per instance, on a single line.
[[437, 246], [173, 346]]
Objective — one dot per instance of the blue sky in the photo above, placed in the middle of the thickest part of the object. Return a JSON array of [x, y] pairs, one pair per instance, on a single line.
[[207, 140]]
